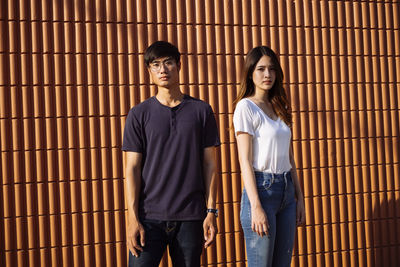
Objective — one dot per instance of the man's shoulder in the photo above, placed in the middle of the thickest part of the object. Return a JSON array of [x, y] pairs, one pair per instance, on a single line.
[[197, 102], [143, 106]]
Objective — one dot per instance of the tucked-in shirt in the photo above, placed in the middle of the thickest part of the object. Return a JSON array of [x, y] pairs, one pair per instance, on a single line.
[[271, 138], [172, 143]]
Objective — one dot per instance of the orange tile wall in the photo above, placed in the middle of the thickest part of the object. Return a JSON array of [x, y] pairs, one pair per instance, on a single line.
[[70, 71]]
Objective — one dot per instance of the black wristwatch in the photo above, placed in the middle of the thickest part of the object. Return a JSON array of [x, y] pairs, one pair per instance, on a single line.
[[215, 211]]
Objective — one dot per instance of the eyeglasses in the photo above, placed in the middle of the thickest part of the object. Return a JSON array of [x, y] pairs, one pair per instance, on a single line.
[[169, 63]]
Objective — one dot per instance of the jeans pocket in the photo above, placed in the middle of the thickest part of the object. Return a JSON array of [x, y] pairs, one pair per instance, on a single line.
[[267, 183]]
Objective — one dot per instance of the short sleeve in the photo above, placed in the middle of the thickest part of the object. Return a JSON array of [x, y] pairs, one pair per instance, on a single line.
[[133, 139], [243, 118], [210, 136]]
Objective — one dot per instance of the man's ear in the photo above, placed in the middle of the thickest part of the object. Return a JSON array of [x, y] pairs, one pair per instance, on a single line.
[[179, 65]]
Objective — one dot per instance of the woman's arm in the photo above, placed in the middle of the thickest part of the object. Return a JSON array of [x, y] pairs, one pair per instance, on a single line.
[[300, 211], [259, 220]]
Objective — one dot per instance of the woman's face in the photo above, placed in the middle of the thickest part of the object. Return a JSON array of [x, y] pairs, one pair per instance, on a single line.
[[264, 74]]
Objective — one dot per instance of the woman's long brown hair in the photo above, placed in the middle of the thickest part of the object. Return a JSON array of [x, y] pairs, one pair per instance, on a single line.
[[276, 95]]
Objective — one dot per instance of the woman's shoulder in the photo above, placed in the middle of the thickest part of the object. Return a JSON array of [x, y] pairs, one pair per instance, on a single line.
[[246, 117], [246, 104]]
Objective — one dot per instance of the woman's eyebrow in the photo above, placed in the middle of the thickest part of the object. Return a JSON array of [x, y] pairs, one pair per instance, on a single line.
[[266, 65]]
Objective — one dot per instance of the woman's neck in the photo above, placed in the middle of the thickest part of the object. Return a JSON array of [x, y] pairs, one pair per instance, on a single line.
[[261, 96]]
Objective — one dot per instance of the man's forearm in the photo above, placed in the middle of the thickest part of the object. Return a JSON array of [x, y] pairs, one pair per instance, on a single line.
[[132, 195], [133, 184], [211, 190], [211, 182]]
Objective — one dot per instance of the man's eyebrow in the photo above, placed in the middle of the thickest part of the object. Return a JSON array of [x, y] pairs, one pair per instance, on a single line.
[[159, 60]]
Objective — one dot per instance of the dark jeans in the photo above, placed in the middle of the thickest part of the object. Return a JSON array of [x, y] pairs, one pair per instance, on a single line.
[[184, 238]]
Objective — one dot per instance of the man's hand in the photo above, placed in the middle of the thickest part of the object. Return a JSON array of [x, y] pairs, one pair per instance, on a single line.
[[135, 231], [210, 229]]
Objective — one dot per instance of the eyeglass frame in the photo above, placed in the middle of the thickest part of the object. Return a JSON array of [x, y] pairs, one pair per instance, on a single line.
[[164, 63]]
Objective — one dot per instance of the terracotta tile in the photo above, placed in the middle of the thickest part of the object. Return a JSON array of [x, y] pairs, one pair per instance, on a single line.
[[347, 123]]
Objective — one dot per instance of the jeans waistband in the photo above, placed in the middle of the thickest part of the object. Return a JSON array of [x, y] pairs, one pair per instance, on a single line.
[[277, 177]]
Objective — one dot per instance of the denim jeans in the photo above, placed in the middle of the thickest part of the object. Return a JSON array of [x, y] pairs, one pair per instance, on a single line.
[[277, 196], [184, 238]]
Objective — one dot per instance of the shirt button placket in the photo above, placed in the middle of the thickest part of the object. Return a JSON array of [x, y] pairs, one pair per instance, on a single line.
[[173, 121]]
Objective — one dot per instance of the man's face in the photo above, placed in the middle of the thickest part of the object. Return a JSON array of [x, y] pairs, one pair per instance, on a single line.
[[164, 72]]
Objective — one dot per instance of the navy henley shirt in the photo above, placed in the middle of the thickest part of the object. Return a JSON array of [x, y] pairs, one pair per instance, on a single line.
[[172, 142]]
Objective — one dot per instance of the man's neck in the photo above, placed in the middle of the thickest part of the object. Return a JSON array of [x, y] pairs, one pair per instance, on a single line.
[[169, 97]]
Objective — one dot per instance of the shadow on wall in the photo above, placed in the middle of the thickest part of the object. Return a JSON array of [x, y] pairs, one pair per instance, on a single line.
[[386, 229], [371, 234]]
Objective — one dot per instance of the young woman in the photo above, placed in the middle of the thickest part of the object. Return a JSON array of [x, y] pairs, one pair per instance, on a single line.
[[272, 201]]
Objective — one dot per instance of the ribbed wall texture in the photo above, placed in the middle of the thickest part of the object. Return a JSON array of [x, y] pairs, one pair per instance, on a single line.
[[71, 70]]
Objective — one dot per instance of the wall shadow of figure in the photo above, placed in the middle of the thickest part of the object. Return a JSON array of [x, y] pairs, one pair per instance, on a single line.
[[385, 246]]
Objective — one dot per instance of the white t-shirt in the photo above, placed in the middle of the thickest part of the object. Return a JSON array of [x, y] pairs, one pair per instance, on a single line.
[[271, 139]]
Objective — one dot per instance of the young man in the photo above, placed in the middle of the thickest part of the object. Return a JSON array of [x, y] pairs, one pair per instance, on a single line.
[[170, 141]]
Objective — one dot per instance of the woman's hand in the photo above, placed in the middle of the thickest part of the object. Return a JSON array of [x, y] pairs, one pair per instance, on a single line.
[[300, 212], [259, 221]]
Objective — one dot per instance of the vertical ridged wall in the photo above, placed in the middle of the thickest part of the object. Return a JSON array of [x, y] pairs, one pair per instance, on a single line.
[[71, 70]]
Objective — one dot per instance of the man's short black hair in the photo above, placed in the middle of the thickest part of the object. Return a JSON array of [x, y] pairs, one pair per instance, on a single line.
[[161, 49]]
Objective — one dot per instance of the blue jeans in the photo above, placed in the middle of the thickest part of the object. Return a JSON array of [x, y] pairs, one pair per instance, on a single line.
[[184, 238], [277, 196]]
